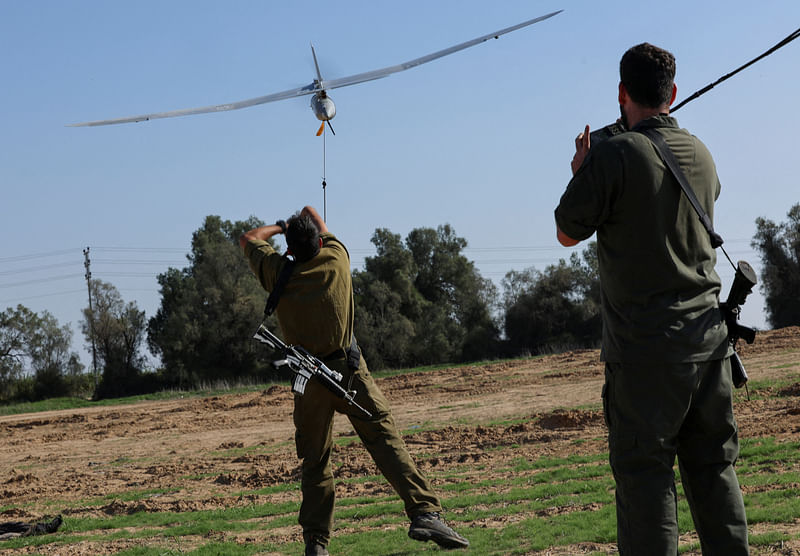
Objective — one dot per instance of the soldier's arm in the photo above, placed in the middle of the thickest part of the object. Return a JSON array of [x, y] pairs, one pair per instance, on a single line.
[[312, 212], [263, 233]]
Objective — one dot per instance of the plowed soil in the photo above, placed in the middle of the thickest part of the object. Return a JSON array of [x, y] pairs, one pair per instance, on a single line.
[[185, 445]]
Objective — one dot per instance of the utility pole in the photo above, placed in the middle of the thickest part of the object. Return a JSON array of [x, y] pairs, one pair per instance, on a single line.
[[86, 263]]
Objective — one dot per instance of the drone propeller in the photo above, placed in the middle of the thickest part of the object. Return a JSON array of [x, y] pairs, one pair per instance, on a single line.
[[322, 128]]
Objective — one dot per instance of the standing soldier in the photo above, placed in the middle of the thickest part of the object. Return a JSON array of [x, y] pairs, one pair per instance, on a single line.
[[315, 311], [667, 391]]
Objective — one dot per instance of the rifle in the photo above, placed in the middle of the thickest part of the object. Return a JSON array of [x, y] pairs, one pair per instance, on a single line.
[[305, 366], [743, 283]]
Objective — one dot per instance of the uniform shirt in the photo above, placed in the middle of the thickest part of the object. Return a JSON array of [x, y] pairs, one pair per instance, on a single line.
[[660, 292], [316, 307]]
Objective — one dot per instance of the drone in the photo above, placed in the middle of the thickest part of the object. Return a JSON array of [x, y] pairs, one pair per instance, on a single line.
[[321, 103]]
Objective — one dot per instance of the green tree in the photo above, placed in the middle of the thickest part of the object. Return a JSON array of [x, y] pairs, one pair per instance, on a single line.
[[555, 308], [779, 246], [209, 310], [13, 327], [383, 331], [117, 330], [35, 357], [57, 370], [459, 299], [393, 264], [421, 301]]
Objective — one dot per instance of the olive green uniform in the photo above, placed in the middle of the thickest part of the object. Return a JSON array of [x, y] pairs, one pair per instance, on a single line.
[[668, 381], [316, 312]]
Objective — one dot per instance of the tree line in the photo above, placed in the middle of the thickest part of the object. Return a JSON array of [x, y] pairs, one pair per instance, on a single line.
[[419, 301]]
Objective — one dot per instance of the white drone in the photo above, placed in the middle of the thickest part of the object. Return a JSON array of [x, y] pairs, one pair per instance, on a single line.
[[321, 102]]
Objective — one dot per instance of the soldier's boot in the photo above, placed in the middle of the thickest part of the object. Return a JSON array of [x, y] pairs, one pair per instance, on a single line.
[[430, 527]]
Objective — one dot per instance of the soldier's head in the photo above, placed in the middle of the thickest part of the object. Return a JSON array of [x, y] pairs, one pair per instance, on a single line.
[[302, 237], [648, 74]]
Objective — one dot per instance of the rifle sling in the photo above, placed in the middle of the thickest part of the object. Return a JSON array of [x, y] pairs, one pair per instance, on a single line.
[[672, 163], [352, 353], [277, 290]]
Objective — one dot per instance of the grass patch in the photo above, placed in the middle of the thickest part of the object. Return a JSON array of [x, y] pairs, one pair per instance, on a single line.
[[528, 505], [522, 505]]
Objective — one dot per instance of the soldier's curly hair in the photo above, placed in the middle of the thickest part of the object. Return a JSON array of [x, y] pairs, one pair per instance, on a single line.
[[648, 73]]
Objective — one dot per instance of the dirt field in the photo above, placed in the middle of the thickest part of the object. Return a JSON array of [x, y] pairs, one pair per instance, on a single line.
[[65, 455]]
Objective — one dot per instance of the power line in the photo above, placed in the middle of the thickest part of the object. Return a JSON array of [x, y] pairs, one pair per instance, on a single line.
[[17, 299], [185, 251], [36, 268], [139, 262], [143, 249], [128, 274], [74, 250], [37, 255], [558, 252], [40, 280]]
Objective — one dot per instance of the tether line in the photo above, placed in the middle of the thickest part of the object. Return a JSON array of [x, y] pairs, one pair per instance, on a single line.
[[707, 88]]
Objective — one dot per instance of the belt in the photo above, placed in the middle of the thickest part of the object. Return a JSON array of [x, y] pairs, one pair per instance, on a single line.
[[334, 355], [351, 353]]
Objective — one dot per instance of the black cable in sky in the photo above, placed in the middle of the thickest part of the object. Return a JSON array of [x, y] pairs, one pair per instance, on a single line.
[[707, 88], [41, 280], [27, 257]]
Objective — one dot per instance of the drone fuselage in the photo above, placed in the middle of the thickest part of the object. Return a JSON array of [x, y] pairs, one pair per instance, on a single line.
[[323, 106]]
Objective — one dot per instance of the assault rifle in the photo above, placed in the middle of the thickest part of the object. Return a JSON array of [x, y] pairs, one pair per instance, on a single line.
[[305, 366], [743, 283]]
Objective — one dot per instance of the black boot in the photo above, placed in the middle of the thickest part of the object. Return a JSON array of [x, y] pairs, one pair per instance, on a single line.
[[430, 527], [315, 548]]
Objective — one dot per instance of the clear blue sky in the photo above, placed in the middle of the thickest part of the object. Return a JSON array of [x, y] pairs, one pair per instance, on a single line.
[[481, 139]]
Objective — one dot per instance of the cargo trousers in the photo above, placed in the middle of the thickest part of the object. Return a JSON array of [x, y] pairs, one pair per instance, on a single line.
[[655, 412], [313, 419]]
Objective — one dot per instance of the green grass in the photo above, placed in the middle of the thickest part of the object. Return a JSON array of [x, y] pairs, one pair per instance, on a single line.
[[522, 506], [547, 502]]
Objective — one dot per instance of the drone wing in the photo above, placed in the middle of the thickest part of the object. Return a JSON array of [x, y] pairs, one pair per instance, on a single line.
[[377, 74], [318, 84], [307, 90]]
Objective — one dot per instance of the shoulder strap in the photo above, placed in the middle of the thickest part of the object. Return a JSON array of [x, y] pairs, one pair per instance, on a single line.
[[672, 163], [277, 290]]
